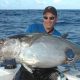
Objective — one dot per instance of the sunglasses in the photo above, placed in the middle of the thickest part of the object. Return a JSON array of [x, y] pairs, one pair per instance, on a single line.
[[51, 18]]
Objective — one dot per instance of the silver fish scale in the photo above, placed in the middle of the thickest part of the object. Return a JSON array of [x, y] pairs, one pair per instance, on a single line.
[[38, 50]]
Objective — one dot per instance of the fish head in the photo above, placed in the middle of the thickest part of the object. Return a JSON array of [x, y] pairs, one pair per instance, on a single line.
[[9, 49]]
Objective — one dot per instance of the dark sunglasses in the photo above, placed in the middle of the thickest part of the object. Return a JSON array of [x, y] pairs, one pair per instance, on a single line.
[[51, 18]]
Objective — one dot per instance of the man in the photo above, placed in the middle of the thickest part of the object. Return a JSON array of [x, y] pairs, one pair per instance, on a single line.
[[49, 20]]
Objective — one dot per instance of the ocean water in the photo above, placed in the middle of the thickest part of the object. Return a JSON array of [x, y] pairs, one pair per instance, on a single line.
[[16, 21]]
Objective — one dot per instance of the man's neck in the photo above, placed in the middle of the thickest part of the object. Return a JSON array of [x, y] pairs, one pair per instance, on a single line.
[[50, 30]]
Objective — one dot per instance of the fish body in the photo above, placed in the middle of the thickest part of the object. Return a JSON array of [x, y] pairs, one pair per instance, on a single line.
[[37, 50]]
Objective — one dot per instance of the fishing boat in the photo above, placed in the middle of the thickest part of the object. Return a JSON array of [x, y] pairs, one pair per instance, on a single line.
[[65, 74], [9, 69]]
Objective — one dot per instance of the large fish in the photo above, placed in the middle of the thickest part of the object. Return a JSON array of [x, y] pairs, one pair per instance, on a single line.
[[37, 50]]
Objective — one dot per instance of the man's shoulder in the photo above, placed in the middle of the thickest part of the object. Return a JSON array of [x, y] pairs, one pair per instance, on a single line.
[[56, 32], [36, 25], [34, 28]]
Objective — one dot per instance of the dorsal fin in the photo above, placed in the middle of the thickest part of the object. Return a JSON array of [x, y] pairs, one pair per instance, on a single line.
[[29, 38], [18, 36]]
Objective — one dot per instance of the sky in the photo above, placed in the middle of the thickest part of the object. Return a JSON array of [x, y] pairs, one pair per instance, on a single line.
[[39, 4]]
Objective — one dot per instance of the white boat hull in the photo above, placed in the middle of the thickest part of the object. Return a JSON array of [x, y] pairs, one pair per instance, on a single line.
[[8, 74]]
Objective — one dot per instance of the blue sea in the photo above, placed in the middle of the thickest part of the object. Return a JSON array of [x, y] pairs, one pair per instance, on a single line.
[[16, 21]]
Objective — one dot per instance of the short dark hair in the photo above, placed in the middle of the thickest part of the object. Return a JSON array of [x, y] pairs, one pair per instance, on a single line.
[[51, 10]]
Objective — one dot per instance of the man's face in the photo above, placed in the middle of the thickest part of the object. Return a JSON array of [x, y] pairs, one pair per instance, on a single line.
[[49, 20]]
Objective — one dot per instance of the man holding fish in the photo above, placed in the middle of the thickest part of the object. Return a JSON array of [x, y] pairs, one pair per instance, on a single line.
[[49, 21], [39, 53]]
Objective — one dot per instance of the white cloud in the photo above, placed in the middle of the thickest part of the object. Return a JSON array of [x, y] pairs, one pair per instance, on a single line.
[[4, 3], [47, 1], [56, 1], [38, 1], [41, 1]]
